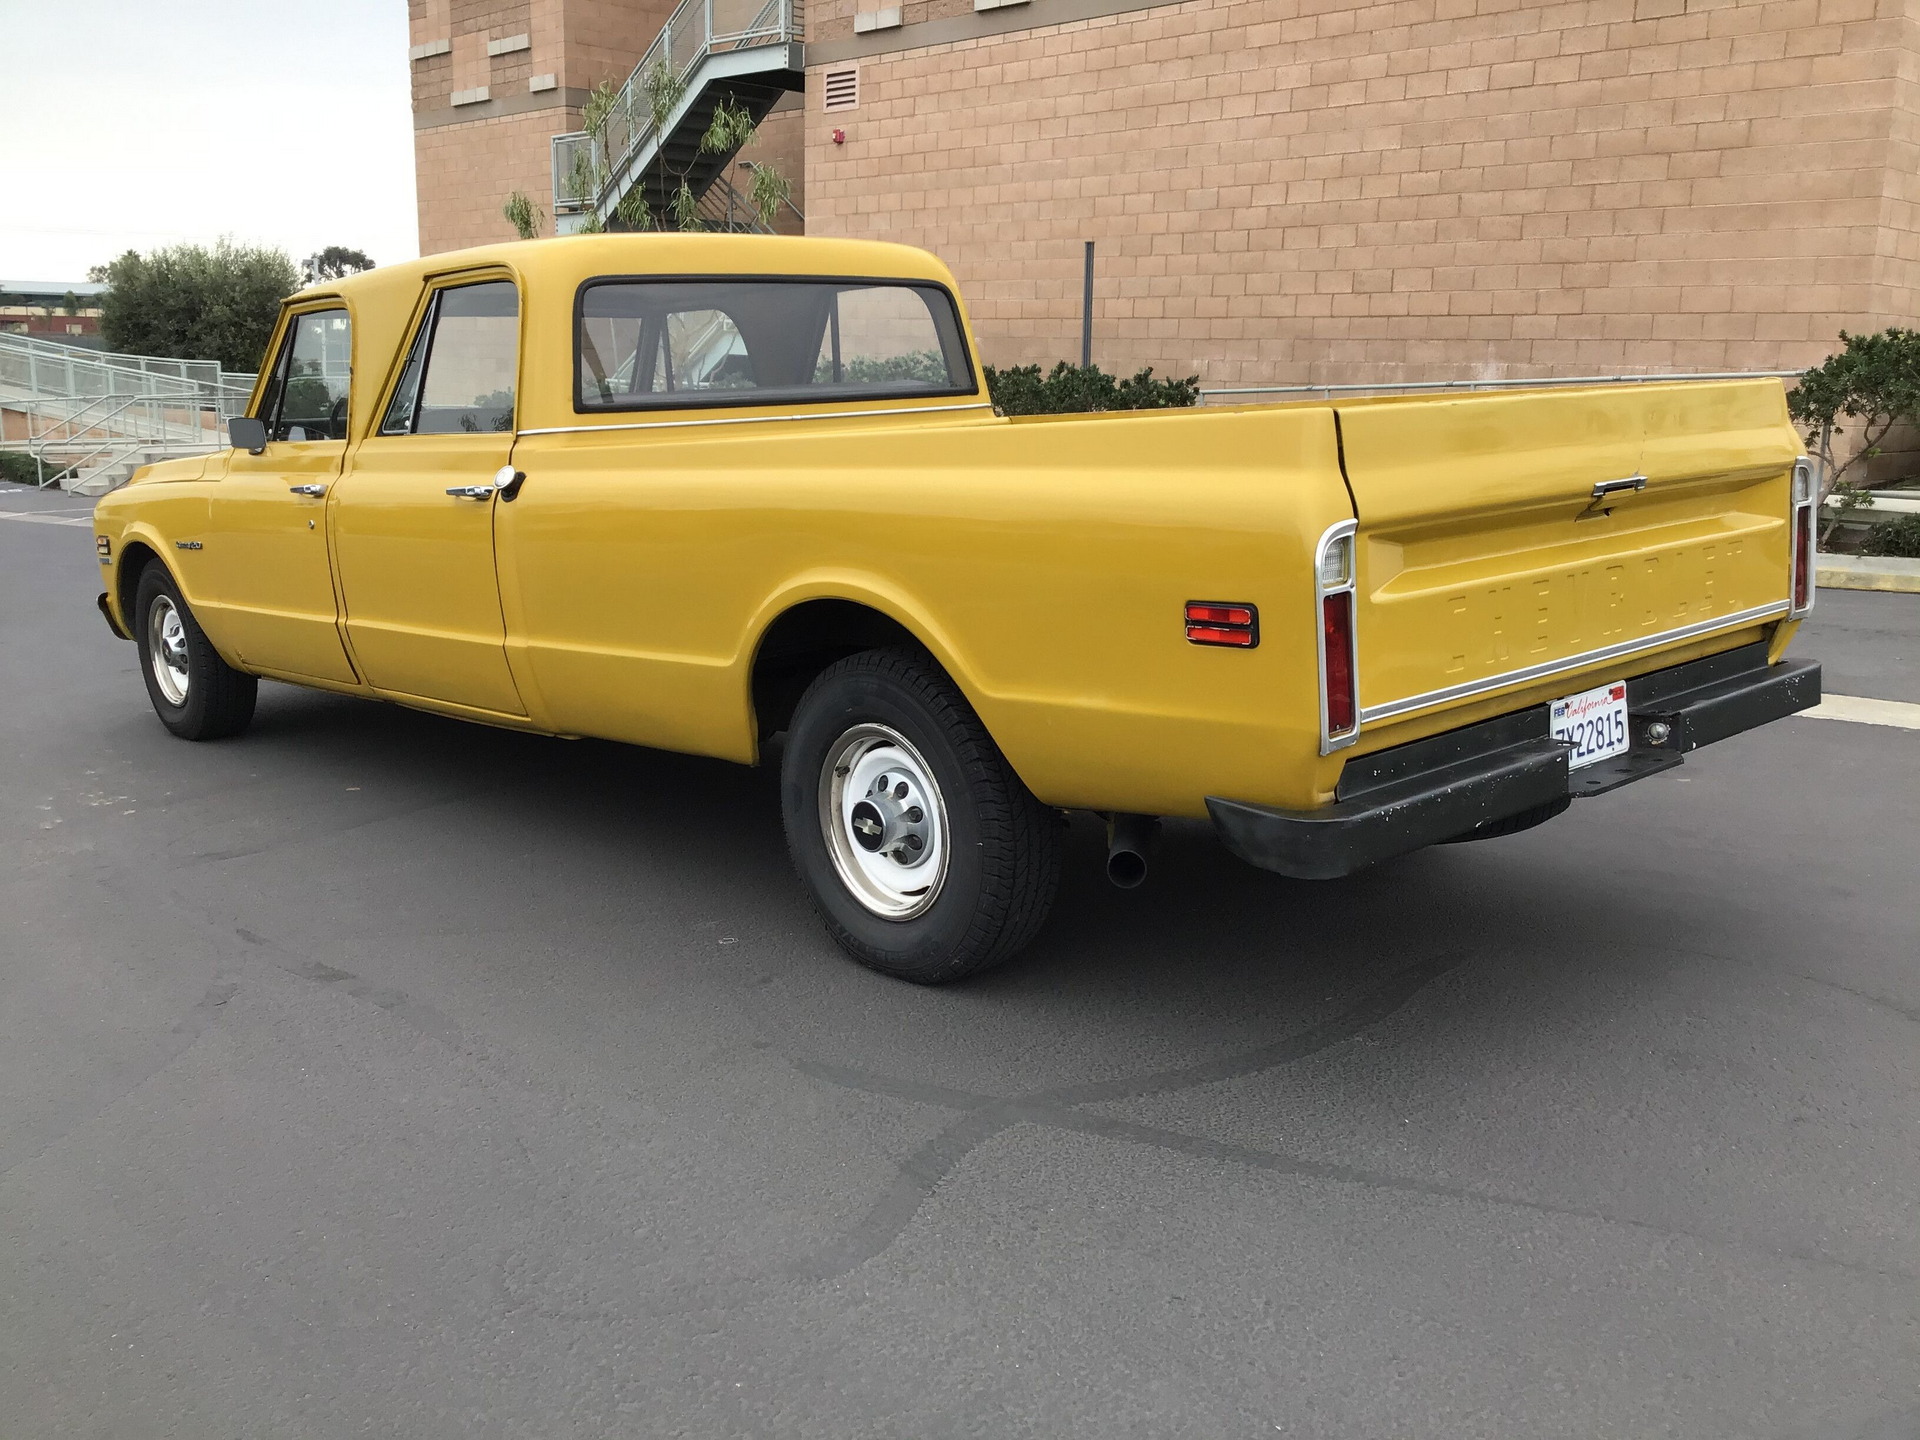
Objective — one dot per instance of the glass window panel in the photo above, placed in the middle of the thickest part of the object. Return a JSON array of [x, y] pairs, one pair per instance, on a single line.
[[472, 361], [307, 397], [881, 335], [399, 417], [692, 342]]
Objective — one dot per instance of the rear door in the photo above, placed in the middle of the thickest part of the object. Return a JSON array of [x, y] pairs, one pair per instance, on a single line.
[[415, 560], [1510, 542]]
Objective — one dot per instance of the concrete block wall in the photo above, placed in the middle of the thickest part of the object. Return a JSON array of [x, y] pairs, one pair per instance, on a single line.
[[467, 171], [1301, 190]]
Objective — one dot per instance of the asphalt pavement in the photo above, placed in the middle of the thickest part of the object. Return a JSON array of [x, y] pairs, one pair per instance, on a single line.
[[380, 1075]]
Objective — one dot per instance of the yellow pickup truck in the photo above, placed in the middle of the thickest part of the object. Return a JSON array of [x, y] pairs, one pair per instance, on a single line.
[[709, 492]]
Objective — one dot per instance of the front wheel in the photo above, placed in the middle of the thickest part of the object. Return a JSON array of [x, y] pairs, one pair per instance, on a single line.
[[196, 694], [925, 855]]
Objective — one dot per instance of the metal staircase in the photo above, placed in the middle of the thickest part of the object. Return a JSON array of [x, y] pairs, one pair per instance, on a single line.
[[746, 51], [89, 419]]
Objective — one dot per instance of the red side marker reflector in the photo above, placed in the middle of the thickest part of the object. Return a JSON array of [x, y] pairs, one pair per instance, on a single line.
[[1216, 635], [1221, 622]]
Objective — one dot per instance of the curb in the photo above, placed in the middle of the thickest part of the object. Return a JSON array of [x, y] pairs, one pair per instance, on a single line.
[[1867, 572]]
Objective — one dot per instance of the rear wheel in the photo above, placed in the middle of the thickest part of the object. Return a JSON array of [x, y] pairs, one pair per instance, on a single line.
[[196, 694], [924, 853]]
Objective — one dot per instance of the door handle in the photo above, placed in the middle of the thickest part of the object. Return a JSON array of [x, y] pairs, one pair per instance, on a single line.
[[314, 490], [506, 484], [1613, 487]]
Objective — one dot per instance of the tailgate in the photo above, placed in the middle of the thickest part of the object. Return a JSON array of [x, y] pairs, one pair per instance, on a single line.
[[1485, 565]]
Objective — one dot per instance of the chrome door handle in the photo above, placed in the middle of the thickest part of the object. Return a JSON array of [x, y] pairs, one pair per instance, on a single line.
[[314, 490], [1614, 487], [470, 492]]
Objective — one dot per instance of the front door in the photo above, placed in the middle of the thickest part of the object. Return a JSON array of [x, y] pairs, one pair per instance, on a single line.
[[415, 562], [268, 549]]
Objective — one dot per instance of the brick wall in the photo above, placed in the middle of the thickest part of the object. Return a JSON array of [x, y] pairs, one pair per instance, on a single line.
[[1303, 190], [466, 172]]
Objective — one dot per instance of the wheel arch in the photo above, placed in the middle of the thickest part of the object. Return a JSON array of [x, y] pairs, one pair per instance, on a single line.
[[807, 636], [136, 553]]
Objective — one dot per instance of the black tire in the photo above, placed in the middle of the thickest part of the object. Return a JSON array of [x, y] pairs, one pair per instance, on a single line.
[[213, 699], [1001, 846], [1511, 824]]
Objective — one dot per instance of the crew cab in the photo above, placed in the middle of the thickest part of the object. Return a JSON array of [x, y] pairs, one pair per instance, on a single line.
[[747, 496]]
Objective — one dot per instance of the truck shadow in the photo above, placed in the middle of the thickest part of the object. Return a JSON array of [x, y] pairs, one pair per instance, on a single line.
[[1205, 929]]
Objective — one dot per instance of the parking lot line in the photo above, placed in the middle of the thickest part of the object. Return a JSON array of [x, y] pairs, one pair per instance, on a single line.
[[42, 517], [1864, 711]]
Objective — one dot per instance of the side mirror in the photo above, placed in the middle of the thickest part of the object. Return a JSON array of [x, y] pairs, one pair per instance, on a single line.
[[248, 434]]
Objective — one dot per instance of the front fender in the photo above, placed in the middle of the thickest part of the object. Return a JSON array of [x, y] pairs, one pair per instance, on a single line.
[[150, 532]]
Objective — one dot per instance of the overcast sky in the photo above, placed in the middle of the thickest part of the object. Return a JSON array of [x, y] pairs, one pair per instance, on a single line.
[[128, 124]]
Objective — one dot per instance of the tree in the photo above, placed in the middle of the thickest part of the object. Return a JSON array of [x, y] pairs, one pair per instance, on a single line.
[[523, 215], [197, 303], [333, 263], [1864, 391]]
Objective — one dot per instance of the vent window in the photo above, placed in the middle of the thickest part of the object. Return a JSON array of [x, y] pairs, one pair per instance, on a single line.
[[841, 89]]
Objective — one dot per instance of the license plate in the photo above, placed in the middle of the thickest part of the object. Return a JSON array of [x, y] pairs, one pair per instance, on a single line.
[[1594, 722]]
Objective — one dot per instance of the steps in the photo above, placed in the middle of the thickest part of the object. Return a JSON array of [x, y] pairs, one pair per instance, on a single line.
[[91, 419], [745, 51]]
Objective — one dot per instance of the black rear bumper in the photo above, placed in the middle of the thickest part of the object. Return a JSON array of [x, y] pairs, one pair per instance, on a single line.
[[1443, 787]]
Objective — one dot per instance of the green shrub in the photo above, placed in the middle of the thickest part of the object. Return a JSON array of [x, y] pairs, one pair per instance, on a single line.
[[18, 468], [1899, 536], [1077, 390], [1848, 403]]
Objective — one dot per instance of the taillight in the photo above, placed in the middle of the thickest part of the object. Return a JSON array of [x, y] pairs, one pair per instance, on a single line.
[[1805, 517], [1333, 568], [1336, 636]]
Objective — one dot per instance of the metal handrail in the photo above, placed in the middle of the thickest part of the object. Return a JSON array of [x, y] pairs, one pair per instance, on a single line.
[[71, 438], [43, 371], [688, 38], [1410, 387]]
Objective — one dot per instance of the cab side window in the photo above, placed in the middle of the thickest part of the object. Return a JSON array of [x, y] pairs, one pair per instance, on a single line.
[[461, 369], [306, 394]]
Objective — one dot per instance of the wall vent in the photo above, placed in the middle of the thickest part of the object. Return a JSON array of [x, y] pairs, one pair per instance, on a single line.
[[840, 89]]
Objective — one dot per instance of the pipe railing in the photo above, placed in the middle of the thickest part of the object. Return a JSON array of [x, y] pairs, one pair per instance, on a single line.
[[32, 369]]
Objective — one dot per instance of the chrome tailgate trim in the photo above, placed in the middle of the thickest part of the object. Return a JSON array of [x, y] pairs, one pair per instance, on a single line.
[[1373, 714]]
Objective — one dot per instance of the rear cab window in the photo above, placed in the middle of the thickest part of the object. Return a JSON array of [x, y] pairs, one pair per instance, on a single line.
[[682, 343]]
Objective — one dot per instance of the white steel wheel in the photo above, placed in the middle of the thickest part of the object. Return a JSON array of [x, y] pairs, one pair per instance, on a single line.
[[167, 649], [925, 856], [884, 821], [196, 694]]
